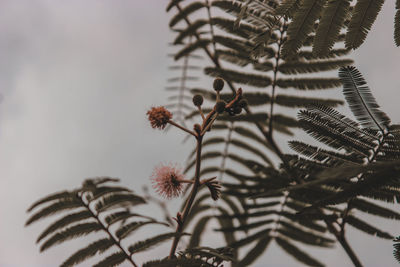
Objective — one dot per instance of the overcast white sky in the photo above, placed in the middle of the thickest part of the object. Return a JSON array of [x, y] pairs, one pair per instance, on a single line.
[[76, 78]]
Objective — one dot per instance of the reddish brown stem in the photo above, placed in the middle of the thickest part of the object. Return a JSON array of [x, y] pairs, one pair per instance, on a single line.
[[190, 199], [182, 128]]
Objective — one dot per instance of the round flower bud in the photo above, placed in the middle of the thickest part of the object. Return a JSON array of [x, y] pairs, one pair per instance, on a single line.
[[237, 109], [243, 103], [220, 106], [218, 84], [197, 100]]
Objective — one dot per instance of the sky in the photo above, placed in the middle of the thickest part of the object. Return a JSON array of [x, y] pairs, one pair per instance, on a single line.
[[76, 79]]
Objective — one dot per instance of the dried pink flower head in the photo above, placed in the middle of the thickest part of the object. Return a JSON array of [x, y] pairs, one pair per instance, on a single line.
[[167, 180], [159, 117]]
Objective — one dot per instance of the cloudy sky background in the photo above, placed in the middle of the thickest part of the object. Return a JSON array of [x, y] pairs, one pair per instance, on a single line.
[[76, 78]]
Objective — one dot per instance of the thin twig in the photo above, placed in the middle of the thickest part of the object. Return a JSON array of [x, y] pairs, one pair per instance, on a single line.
[[201, 113], [209, 124], [182, 128]]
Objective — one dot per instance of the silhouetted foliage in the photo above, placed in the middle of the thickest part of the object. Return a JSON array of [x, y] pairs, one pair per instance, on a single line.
[[278, 51]]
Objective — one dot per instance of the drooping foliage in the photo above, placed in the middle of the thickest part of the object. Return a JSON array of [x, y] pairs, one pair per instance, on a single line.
[[280, 52], [100, 207], [361, 168], [371, 143], [231, 36], [331, 18]]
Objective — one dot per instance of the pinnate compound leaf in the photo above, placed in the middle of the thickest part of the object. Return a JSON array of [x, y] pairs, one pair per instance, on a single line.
[[297, 253], [367, 228], [112, 260], [85, 253], [55, 196], [150, 242], [302, 25], [331, 22], [364, 15], [128, 229], [198, 231], [189, 9], [360, 99], [255, 252], [71, 233], [54, 208], [372, 208], [118, 200], [65, 221]]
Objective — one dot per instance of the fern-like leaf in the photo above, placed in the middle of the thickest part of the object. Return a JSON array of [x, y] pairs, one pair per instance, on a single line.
[[128, 229], [297, 253], [396, 249], [70, 233], [119, 200], [64, 221], [361, 101], [255, 252], [287, 8], [364, 15], [85, 253], [81, 208], [372, 208], [71, 202], [331, 22], [55, 196], [191, 8], [121, 216], [150, 242], [112, 260], [367, 228], [302, 25]]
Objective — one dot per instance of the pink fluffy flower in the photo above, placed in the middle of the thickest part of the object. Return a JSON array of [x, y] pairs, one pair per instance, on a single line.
[[167, 181]]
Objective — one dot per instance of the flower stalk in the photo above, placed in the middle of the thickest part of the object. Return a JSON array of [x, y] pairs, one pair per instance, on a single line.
[[167, 179], [189, 202]]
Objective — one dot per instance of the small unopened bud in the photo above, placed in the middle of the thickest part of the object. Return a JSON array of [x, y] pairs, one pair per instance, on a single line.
[[218, 84], [243, 103], [237, 110], [178, 218], [197, 128], [197, 100], [220, 106]]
